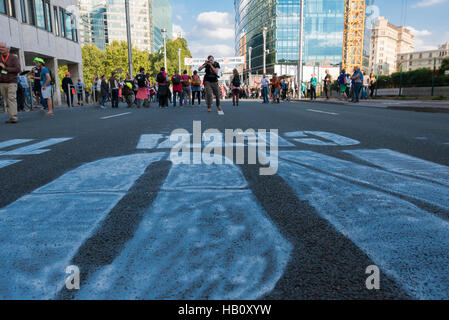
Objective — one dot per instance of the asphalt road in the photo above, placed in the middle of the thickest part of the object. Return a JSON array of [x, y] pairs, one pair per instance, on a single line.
[[355, 187]]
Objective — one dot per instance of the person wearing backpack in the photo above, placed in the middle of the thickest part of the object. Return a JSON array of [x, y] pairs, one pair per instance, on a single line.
[[67, 85], [177, 88], [235, 87], [141, 82], [185, 80], [128, 91], [163, 88], [196, 88], [46, 81], [342, 82]]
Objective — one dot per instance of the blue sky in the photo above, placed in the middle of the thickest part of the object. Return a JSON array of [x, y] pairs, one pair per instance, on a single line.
[[208, 25]]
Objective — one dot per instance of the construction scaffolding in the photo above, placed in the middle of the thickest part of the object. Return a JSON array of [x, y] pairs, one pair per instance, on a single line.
[[353, 34]]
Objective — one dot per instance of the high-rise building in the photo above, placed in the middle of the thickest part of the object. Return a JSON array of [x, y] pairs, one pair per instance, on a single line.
[[387, 42], [322, 37], [104, 21]]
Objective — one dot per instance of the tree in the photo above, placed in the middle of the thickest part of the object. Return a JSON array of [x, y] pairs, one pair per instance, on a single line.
[[444, 66], [115, 58], [157, 59]]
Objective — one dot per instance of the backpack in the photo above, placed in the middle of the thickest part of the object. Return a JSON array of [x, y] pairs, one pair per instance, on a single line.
[[236, 82], [52, 81], [176, 80], [196, 81], [141, 80], [160, 78]]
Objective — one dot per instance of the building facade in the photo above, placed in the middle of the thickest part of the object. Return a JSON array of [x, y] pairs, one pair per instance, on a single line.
[[423, 59], [46, 29], [387, 42], [322, 37], [104, 21]]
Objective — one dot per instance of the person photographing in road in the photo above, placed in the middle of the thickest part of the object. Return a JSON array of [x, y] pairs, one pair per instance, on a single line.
[[211, 82]]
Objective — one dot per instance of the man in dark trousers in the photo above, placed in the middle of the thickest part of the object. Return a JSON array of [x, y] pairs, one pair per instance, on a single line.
[[67, 85]]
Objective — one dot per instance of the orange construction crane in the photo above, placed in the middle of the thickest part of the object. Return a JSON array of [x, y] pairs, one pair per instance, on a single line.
[[353, 34]]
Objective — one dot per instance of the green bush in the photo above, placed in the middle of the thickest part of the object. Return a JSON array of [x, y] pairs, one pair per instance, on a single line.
[[416, 78]]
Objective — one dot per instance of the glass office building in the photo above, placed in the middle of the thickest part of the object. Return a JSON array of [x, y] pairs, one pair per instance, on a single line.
[[323, 33], [104, 21]]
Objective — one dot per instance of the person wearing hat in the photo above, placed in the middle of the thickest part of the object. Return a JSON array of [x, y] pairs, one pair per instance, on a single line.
[[37, 88], [45, 78], [9, 68], [67, 85]]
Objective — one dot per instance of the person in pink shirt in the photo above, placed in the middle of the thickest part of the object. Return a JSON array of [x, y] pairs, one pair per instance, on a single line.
[[177, 88]]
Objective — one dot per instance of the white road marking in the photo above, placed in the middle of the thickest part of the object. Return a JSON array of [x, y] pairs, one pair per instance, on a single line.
[[34, 148], [116, 115], [221, 113], [197, 243], [41, 232], [9, 143], [405, 164], [391, 182], [149, 141], [5, 163], [295, 134], [406, 242], [326, 112], [333, 139], [421, 138]]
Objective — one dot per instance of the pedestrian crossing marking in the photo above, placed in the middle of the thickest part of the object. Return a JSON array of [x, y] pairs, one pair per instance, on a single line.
[[149, 141], [405, 164], [35, 148], [178, 250], [330, 139], [41, 231], [434, 194], [5, 163], [13, 142], [406, 242]]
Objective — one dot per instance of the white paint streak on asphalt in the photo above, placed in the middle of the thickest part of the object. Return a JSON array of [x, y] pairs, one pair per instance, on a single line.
[[406, 242], [115, 115], [330, 139], [13, 142], [42, 231], [320, 111], [35, 148], [5, 163], [425, 191], [405, 164], [202, 238], [149, 141]]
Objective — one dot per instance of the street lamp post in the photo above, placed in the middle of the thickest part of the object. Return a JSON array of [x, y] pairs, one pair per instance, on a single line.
[[179, 59], [164, 35], [128, 38], [300, 58], [250, 49], [264, 32]]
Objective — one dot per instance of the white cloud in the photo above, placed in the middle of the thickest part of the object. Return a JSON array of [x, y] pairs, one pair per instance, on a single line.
[[427, 3], [212, 33], [424, 39]]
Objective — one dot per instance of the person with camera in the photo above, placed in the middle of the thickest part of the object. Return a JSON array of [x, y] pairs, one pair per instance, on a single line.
[[211, 82]]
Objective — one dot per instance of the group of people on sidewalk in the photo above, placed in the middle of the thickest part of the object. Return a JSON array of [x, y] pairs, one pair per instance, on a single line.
[[9, 77], [356, 86]]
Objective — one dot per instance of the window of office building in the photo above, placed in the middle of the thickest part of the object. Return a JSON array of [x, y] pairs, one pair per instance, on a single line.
[[68, 25], [31, 17], [48, 24], [23, 11], [56, 20], [7, 7], [62, 22], [40, 14]]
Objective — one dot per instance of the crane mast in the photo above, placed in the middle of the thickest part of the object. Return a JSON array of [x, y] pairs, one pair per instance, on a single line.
[[353, 34]]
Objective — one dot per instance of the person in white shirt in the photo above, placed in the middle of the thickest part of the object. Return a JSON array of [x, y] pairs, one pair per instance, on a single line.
[[265, 83]]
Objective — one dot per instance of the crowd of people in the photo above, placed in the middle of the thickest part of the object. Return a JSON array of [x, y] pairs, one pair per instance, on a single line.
[[178, 89]]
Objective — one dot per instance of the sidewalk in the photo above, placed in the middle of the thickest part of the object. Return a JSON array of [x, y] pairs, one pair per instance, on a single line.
[[408, 105]]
